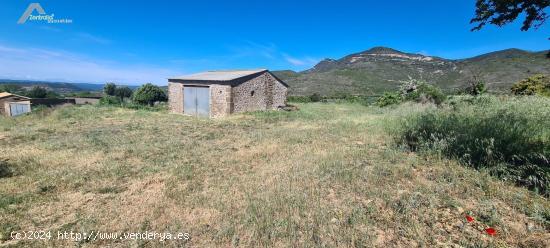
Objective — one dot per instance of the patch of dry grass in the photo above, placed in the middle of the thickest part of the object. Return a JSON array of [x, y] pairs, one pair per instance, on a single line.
[[327, 175]]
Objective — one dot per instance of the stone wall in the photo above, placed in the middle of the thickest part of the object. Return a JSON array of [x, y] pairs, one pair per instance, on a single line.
[[279, 93], [263, 92], [175, 97], [220, 100], [250, 95]]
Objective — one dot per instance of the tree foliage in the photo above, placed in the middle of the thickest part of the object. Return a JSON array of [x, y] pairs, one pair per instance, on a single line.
[[109, 89], [389, 98], [11, 88], [502, 12], [123, 92], [37, 92], [149, 94]]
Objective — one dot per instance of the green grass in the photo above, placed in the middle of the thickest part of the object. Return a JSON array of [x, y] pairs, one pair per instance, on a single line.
[[326, 175]]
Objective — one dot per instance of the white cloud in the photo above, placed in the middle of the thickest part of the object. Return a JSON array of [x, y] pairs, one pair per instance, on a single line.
[[302, 62], [271, 53], [54, 65]]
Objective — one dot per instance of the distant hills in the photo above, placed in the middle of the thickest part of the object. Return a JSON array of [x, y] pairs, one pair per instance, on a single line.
[[58, 87], [380, 69]]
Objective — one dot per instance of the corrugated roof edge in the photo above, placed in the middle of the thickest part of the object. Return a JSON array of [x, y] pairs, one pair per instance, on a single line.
[[190, 76], [232, 82]]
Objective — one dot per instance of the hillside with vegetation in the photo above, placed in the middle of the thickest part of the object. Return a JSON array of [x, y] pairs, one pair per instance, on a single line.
[[57, 87], [381, 69]]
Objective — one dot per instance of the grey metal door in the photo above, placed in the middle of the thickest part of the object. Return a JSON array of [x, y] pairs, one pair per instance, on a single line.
[[19, 108], [196, 101], [189, 100], [203, 102]]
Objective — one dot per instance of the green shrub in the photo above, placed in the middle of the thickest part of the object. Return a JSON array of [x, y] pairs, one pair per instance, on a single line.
[[315, 97], [303, 99], [509, 137], [109, 100], [149, 94], [475, 88], [535, 85], [423, 92], [388, 99]]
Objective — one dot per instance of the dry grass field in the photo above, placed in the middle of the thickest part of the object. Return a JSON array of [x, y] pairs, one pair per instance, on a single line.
[[327, 175]]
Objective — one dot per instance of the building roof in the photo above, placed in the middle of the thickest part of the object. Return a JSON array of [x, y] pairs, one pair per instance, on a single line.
[[231, 77], [219, 75], [7, 94]]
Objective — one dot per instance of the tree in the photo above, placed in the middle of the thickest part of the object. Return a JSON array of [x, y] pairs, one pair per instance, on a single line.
[[502, 12], [123, 92], [149, 94], [109, 89], [37, 92]]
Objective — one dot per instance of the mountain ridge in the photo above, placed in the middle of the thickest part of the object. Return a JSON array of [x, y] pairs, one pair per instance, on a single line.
[[379, 69]]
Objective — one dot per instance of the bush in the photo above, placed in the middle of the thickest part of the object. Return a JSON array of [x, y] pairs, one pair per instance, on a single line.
[[303, 99], [535, 85], [422, 92], [388, 99], [109, 100], [315, 97], [149, 94], [475, 88], [508, 137]]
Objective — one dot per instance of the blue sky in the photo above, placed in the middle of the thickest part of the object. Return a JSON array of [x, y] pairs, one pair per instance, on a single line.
[[134, 42]]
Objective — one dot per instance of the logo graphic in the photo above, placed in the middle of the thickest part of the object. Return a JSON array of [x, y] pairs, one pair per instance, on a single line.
[[42, 16]]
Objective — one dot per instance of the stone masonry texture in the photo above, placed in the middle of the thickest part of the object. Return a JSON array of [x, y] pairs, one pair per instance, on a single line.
[[263, 92]]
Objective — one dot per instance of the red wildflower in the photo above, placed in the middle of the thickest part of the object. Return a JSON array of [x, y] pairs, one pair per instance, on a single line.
[[469, 218], [491, 231]]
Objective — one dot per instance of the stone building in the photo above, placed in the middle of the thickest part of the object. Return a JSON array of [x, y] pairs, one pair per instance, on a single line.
[[220, 93]]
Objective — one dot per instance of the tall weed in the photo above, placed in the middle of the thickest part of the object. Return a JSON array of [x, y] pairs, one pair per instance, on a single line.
[[508, 136]]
